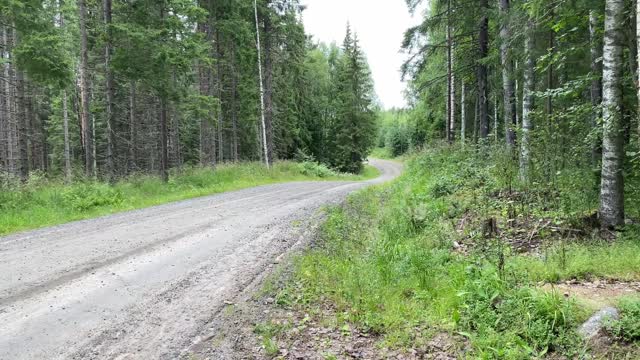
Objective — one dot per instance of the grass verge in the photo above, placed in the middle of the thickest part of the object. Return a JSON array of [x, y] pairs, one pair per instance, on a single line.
[[455, 247], [42, 202]]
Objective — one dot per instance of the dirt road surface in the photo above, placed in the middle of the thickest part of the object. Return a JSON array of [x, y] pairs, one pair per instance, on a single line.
[[144, 284]]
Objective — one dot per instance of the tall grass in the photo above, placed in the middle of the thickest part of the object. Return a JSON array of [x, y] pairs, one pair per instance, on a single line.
[[41, 202], [387, 262]]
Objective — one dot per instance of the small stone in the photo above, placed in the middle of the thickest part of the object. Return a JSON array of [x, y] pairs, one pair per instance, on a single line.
[[592, 327]]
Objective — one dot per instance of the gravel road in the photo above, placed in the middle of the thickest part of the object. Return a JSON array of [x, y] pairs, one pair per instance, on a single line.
[[144, 284]]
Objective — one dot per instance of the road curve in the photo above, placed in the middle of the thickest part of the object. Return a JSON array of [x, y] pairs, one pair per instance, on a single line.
[[144, 284]]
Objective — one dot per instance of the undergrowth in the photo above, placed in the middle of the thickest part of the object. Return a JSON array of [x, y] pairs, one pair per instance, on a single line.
[[42, 202], [416, 257]]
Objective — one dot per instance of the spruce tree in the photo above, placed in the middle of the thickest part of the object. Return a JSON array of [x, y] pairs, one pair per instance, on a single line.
[[355, 126]]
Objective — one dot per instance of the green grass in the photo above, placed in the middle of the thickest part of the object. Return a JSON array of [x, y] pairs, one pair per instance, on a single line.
[[616, 261], [41, 203], [627, 327], [386, 262]]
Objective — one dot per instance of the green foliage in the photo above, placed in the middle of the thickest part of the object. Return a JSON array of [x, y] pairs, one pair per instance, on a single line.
[[314, 169], [627, 327], [398, 133], [41, 202], [355, 124], [88, 196], [392, 269]]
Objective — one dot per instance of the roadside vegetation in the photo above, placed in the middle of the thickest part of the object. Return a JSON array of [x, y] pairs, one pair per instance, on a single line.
[[457, 248], [43, 202]]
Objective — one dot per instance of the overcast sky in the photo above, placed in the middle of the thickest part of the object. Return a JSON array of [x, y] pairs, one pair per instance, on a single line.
[[380, 25]]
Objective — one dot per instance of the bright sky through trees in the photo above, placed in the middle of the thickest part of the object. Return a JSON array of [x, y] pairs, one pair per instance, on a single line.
[[380, 25]]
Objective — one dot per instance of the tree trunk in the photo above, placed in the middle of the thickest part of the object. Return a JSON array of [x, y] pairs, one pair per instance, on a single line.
[[596, 85], [527, 100], [451, 108], [164, 157], [234, 109], [516, 95], [219, 94], [5, 121], [85, 123], [265, 136], [133, 128], [507, 75], [612, 184], [495, 118], [638, 66], [12, 144], [21, 120], [483, 97], [463, 115], [65, 126], [476, 116], [551, 45], [108, 90], [268, 88], [207, 143]]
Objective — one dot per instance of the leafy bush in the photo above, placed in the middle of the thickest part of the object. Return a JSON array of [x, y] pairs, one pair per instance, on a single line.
[[91, 195], [312, 168], [443, 187], [11, 200]]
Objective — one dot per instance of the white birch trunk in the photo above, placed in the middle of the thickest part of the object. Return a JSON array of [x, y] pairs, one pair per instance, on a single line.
[[463, 114], [612, 183], [596, 85], [527, 101], [264, 129], [452, 106], [507, 74]]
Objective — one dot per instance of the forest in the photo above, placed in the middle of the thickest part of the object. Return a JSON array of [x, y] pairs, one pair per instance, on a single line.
[[106, 89], [513, 232], [495, 216], [555, 82]]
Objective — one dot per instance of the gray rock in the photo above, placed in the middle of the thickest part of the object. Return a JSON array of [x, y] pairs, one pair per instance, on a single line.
[[592, 327]]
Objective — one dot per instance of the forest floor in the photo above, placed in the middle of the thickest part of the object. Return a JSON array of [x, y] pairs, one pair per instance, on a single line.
[[147, 283], [454, 259], [44, 202]]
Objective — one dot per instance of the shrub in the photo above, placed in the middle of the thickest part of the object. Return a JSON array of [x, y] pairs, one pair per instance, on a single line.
[[312, 168], [91, 195]]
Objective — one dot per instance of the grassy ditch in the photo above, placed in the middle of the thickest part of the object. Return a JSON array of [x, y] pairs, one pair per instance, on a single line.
[[42, 202]]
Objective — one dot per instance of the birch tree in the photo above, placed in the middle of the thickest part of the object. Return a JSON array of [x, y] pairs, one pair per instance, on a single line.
[[612, 183], [527, 100], [595, 44], [263, 119], [508, 85]]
